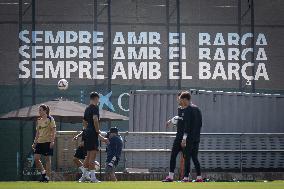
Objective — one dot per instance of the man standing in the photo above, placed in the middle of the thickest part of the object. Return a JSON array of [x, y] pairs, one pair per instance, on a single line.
[[93, 134], [113, 150], [191, 138], [177, 141]]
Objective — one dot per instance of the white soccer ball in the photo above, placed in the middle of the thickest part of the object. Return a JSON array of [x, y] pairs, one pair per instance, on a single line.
[[62, 84], [174, 120]]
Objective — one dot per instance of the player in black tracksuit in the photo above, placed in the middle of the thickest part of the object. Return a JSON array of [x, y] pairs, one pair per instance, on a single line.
[[176, 148], [192, 124]]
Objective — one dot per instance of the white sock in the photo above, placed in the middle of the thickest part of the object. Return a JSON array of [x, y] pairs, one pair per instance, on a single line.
[[85, 173], [171, 175], [198, 177], [82, 169], [185, 178], [93, 174]]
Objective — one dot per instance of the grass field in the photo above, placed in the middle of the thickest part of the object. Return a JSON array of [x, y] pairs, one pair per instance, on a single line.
[[143, 185]]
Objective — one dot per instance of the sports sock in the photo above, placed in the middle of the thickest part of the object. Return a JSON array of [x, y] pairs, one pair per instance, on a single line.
[[171, 175], [82, 169], [93, 174]]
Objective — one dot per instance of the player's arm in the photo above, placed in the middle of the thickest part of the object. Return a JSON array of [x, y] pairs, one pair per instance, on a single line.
[[53, 133], [97, 128], [168, 123], [119, 148], [195, 130], [186, 127], [96, 123], [36, 138], [85, 124]]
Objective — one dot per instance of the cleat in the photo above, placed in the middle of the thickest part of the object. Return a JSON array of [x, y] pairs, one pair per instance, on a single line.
[[185, 180], [167, 179]]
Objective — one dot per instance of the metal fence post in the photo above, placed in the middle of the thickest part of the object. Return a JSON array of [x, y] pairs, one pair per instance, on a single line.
[[241, 154], [124, 146]]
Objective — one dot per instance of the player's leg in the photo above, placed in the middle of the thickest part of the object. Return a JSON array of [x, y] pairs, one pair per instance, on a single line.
[[113, 177], [49, 154], [40, 150], [195, 148], [174, 153], [110, 173], [38, 162], [48, 166], [91, 146], [92, 166], [77, 162], [85, 172], [79, 155], [175, 150], [187, 156]]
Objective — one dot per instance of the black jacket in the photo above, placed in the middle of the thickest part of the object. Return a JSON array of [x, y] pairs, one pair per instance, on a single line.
[[193, 123]]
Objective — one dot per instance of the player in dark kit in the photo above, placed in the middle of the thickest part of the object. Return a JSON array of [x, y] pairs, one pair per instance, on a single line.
[[177, 141], [191, 139], [93, 134], [113, 150]]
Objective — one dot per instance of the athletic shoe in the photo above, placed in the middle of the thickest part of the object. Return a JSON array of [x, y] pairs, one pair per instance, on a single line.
[[167, 179], [95, 180], [82, 179], [185, 180]]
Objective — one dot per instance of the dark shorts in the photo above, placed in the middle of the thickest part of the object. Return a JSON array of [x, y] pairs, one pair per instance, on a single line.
[[80, 153], [44, 149], [92, 140]]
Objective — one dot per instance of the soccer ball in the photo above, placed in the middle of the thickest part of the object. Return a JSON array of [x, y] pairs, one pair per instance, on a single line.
[[62, 84], [97, 165], [174, 120]]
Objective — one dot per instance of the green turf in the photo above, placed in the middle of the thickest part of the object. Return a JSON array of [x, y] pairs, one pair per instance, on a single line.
[[142, 185]]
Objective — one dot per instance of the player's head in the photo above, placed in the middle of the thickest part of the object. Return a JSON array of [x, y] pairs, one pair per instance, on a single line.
[[113, 131], [43, 110], [94, 98], [185, 98]]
